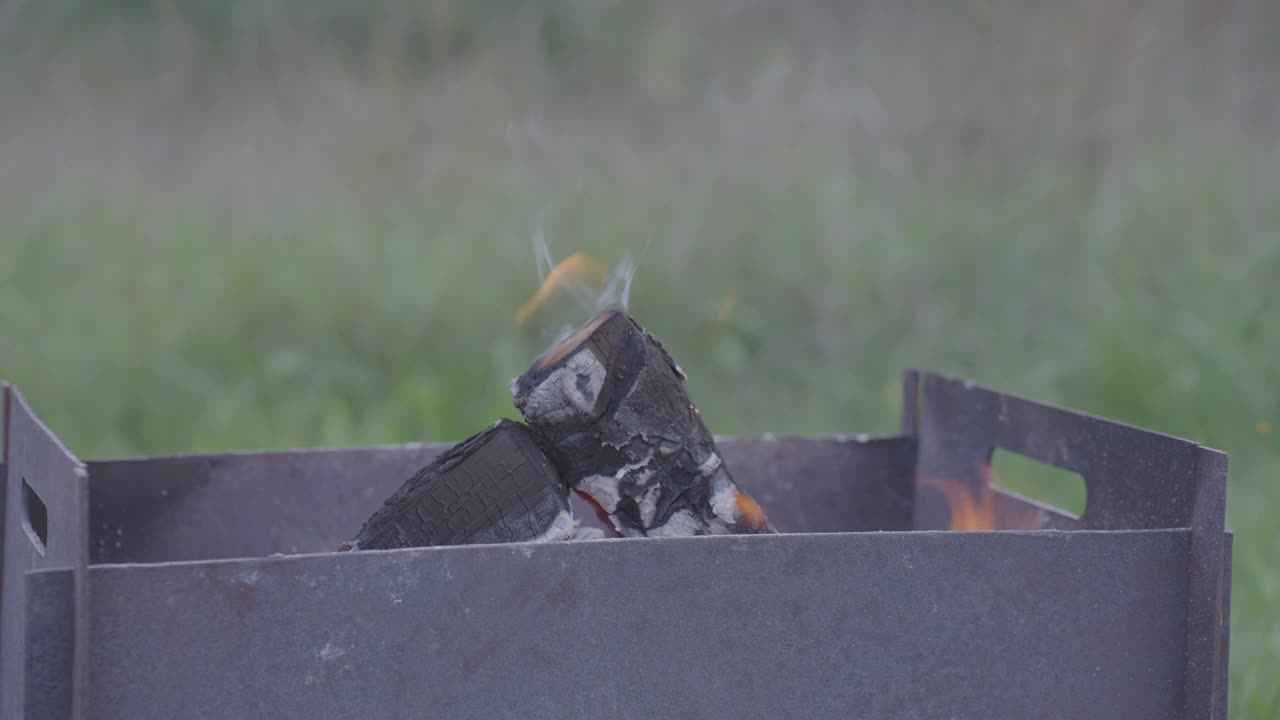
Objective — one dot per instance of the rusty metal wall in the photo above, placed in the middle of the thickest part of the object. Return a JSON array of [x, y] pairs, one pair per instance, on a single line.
[[307, 501], [871, 625], [1134, 479], [37, 464], [1109, 622]]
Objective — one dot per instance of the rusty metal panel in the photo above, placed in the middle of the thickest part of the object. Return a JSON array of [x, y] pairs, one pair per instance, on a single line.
[[242, 504], [871, 625], [47, 526], [827, 484], [50, 645], [1208, 573], [306, 501], [1134, 479], [900, 624], [4, 492], [1221, 709]]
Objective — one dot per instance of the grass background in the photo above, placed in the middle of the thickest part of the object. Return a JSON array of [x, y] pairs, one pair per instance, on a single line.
[[251, 225]]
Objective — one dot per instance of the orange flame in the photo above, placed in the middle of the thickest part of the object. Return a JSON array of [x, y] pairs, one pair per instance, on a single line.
[[968, 513], [575, 267], [749, 509], [983, 510]]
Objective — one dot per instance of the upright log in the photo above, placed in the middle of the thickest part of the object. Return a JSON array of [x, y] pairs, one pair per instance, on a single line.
[[493, 487], [609, 406]]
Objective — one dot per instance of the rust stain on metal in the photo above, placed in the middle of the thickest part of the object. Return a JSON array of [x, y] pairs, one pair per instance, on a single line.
[[239, 594]]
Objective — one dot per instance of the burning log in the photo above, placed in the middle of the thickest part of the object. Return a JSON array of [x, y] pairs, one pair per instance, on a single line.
[[493, 487], [609, 406]]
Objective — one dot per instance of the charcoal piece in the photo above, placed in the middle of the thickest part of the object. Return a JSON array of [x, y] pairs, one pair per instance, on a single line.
[[609, 406], [493, 487]]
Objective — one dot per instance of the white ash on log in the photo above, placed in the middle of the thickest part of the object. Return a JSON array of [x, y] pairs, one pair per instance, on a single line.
[[609, 407], [493, 487]]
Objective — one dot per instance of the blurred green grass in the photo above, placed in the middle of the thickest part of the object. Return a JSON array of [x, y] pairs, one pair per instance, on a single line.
[[198, 258]]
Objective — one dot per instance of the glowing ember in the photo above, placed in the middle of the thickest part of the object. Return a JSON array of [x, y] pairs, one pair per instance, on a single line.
[[749, 509], [577, 267]]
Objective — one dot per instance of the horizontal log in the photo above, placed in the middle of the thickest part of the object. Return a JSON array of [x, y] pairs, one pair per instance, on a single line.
[[493, 487]]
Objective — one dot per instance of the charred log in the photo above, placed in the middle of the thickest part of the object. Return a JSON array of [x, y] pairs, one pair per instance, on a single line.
[[494, 487], [609, 406]]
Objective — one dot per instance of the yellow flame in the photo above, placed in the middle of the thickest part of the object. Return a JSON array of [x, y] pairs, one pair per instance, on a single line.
[[575, 267]]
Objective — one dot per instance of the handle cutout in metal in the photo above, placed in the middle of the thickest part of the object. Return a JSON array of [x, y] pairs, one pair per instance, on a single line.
[[1039, 481], [35, 517]]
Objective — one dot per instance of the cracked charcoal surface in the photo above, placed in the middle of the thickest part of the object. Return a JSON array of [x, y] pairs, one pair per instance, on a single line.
[[642, 451], [496, 486]]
